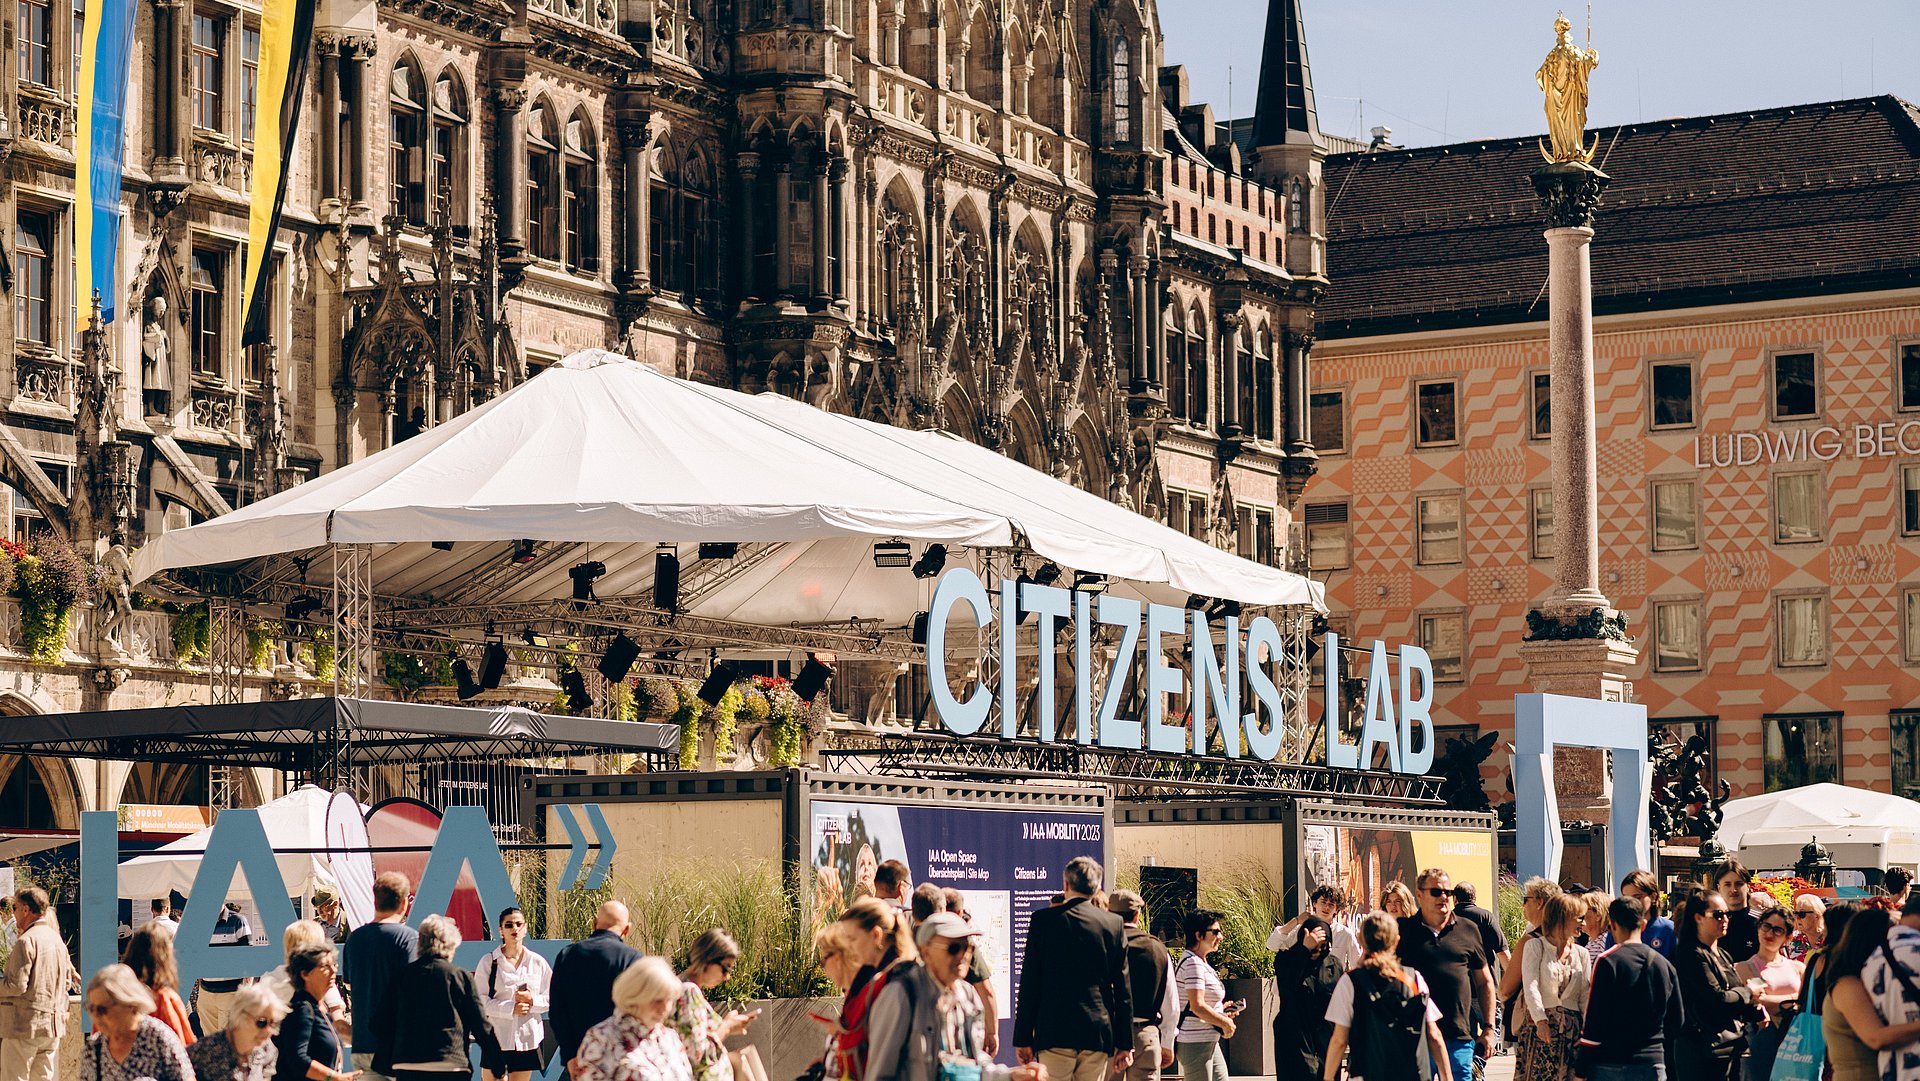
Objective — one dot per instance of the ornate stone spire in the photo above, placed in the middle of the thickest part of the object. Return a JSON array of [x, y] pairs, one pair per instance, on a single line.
[[1284, 111]]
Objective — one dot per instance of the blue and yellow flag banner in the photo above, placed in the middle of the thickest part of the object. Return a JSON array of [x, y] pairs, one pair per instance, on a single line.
[[106, 63], [286, 30]]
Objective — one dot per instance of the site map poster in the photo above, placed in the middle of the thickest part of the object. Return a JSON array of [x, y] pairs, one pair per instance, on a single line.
[[1006, 862]]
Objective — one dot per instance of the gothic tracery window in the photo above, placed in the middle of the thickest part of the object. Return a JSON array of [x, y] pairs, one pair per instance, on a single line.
[[1122, 90], [543, 184], [1197, 399], [900, 298], [1176, 338], [407, 105], [1263, 355], [580, 194], [447, 169]]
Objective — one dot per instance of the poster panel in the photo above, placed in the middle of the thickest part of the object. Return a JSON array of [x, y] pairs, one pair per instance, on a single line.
[[1362, 860], [1006, 862]]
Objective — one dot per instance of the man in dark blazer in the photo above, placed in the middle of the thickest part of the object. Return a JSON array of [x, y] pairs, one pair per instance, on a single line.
[[1074, 1013], [583, 977]]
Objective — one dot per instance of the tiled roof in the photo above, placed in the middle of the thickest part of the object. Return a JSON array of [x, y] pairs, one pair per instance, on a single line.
[[1703, 210]]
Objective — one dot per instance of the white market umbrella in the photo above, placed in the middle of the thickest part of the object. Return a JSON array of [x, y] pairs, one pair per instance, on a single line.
[[1812, 808], [295, 821]]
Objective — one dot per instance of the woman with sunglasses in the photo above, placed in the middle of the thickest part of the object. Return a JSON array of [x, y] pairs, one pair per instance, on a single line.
[[702, 1029], [129, 1044], [515, 984], [244, 1051], [1205, 1019], [1718, 1004], [1781, 999]]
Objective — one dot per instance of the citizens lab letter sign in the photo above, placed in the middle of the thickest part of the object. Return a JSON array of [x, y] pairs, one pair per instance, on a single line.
[[1217, 671]]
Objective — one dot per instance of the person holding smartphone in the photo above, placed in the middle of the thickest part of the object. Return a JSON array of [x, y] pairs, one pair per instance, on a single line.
[[703, 1029], [515, 985], [1206, 1017]]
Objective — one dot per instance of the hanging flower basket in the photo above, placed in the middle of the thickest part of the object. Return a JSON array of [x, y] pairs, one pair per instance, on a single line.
[[49, 579]]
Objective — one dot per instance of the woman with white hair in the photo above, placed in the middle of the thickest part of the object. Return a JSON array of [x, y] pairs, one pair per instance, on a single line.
[[636, 1043], [245, 1051], [300, 935], [432, 1011], [132, 1045]]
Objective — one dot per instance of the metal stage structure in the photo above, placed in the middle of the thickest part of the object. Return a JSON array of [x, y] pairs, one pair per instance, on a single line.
[[1131, 773]]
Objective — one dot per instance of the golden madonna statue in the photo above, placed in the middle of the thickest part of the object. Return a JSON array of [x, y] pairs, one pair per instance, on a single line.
[[1563, 75]]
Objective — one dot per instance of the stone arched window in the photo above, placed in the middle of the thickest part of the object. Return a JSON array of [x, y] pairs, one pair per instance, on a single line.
[[699, 237], [447, 169], [1121, 91], [900, 297], [407, 105], [1297, 207], [543, 183], [1197, 398], [580, 195], [662, 236], [1176, 336], [1242, 410], [1043, 103]]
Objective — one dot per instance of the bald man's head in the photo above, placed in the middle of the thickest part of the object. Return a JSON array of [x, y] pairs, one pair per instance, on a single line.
[[612, 916]]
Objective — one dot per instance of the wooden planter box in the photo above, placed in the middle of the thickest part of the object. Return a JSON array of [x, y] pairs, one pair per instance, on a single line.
[[1250, 1052]]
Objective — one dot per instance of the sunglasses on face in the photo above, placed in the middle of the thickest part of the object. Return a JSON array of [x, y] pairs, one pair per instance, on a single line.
[[726, 968], [261, 1022], [1775, 929], [99, 1009], [1803, 914], [511, 925], [1718, 917], [1213, 930], [959, 946], [1435, 891]]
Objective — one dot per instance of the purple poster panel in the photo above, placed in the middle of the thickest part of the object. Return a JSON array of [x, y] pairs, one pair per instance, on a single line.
[[1006, 862]]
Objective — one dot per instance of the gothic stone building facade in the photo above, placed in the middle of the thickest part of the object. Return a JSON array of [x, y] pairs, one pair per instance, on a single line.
[[1000, 217]]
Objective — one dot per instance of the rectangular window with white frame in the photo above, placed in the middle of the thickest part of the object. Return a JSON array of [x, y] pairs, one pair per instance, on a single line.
[[1910, 625], [1676, 636], [1906, 374], [1800, 749], [1676, 515], [1800, 630], [1540, 502], [1327, 417], [1796, 386], [1328, 542], [1444, 636], [1436, 413], [1798, 517], [1437, 528], [1541, 388], [1670, 393]]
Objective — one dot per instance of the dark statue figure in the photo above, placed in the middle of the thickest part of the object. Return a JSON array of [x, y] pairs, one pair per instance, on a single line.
[[1459, 768], [1597, 623], [1684, 805]]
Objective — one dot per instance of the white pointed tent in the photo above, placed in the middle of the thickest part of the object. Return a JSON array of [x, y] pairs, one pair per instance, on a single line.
[[1861, 829], [609, 454], [296, 828]]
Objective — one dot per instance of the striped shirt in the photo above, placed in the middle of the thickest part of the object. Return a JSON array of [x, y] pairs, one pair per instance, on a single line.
[[1192, 972]]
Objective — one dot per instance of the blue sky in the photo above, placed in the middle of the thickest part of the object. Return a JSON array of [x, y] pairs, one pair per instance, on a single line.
[[1448, 72]]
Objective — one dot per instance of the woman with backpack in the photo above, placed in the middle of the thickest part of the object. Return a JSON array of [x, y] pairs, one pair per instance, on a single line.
[[1718, 1004], [1553, 989], [1382, 1014], [1205, 1019]]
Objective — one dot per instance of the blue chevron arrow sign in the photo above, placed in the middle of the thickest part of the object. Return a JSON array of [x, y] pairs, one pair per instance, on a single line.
[[588, 861]]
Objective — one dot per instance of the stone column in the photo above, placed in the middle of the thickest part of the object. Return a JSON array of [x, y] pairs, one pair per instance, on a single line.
[[1576, 644], [747, 164], [822, 233], [328, 46], [782, 236], [360, 52], [171, 92], [837, 184], [1144, 323], [639, 209], [1295, 434], [510, 168], [1229, 381]]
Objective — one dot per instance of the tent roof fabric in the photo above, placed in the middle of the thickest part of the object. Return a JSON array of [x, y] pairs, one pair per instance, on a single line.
[[1812, 808], [602, 449], [279, 733]]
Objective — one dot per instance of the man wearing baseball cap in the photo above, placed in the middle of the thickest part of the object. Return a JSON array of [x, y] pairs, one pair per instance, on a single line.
[[929, 1010]]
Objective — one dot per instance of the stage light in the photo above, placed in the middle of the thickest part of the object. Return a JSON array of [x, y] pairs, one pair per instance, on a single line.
[[493, 665], [718, 550], [523, 553], [303, 606], [1048, 574], [443, 546], [919, 626], [463, 678], [532, 639], [813, 676], [583, 575], [575, 687], [1223, 608], [1089, 583], [931, 562], [666, 578], [618, 660], [719, 681], [890, 554]]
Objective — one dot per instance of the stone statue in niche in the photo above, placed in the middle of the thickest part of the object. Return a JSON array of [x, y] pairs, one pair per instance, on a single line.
[[156, 359], [117, 588]]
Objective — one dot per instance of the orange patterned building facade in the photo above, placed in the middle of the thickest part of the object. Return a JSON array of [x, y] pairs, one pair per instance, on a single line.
[[1757, 371]]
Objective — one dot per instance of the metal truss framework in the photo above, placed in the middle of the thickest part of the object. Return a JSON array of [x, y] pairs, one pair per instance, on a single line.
[[353, 629], [226, 653], [1135, 774]]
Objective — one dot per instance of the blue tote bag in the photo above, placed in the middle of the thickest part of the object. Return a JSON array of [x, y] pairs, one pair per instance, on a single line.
[[1803, 1050]]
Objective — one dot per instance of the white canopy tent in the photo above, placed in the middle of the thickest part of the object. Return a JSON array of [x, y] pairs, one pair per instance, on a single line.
[[296, 828], [606, 459], [1862, 829]]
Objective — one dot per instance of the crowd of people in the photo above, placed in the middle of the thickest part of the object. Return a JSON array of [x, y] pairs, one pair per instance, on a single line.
[[1422, 986]]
